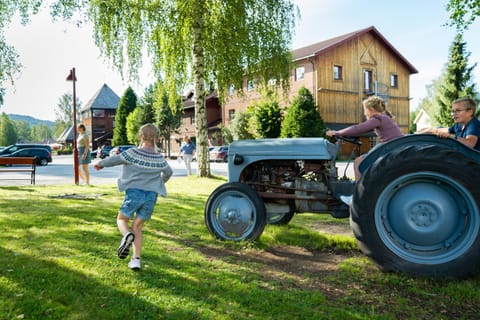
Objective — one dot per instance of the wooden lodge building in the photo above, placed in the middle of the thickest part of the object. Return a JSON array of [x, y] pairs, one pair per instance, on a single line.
[[341, 72], [98, 116], [213, 112]]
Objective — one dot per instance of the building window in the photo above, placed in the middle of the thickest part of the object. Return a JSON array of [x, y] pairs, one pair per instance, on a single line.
[[98, 113], [368, 81], [192, 119], [337, 72], [299, 73], [231, 114], [99, 130], [250, 85], [231, 90], [393, 80]]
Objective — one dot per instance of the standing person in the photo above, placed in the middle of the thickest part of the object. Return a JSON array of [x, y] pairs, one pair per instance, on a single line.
[[187, 150], [84, 156], [466, 128], [144, 174], [379, 119]]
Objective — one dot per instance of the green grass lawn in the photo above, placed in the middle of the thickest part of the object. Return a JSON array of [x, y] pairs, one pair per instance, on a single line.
[[58, 261]]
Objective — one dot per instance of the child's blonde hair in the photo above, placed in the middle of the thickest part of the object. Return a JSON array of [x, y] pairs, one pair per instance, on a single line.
[[149, 132], [378, 104]]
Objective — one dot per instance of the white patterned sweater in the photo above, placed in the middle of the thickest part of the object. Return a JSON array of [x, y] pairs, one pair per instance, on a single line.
[[141, 169]]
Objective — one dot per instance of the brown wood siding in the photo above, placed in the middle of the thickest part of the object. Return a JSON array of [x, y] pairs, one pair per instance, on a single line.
[[340, 101]]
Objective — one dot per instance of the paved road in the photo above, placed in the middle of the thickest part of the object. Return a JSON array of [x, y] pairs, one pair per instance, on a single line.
[[60, 171]]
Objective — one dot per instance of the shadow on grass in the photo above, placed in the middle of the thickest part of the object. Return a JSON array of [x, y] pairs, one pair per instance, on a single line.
[[47, 290], [18, 188], [82, 282]]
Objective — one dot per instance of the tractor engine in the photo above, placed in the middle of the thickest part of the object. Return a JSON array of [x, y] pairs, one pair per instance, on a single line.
[[292, 185]]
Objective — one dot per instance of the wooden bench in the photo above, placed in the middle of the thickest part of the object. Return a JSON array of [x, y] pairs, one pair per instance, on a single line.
[[25, 164]]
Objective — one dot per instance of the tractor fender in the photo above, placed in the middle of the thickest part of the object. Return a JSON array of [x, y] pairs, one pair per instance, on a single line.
[[423, 139]]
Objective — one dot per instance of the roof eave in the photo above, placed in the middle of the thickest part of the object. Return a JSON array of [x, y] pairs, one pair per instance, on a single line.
[[348, 37]]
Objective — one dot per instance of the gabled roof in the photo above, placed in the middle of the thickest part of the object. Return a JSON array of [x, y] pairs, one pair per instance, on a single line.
[[321, 47], [422, 114], [104, 98], [66, 136]]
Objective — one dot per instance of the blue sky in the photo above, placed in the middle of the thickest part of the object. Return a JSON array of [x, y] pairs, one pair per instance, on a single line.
[[49, 50]]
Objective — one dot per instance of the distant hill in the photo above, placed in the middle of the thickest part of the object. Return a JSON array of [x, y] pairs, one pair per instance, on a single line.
[[31, 120]]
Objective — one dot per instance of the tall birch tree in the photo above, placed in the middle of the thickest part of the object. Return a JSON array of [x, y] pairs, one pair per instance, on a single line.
[[214, 42]]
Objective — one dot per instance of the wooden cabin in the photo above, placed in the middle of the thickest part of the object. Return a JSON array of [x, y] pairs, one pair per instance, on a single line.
[[98, 116], [341, 72]]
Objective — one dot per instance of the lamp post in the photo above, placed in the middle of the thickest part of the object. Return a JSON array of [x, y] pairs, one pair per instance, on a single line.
[[73, 78]]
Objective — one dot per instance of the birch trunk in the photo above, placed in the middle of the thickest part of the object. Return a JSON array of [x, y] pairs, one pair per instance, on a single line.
[[200, 109]]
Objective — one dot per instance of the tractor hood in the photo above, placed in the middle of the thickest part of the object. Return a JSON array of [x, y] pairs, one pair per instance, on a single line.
[[244, 152]]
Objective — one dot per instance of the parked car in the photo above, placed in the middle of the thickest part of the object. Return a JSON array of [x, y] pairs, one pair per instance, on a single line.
[[218, 154], [15, 147], [43, 155], [104, 151], [120, 149]]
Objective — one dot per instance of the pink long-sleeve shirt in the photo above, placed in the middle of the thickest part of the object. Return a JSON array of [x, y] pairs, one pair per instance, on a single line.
[[384, 126]]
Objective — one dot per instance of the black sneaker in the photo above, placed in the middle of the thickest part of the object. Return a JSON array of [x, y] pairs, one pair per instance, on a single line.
[[125, 245]]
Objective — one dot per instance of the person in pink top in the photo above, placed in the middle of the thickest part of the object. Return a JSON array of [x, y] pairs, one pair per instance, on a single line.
[[379, 120]]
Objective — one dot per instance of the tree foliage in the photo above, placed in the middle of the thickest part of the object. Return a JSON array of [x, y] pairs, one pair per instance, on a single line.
[[227, 136], [302, 118], [458, 81], [8, 134], [145, 105], [241, 126], [64, 109], [268, 119], [126, 105], [41, 133], [168, 119], [463, 13], [204, 41], [133, 125], [142, 114], [23, 130]]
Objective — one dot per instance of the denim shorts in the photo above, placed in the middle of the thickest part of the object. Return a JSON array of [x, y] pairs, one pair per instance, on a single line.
[[138, 201]]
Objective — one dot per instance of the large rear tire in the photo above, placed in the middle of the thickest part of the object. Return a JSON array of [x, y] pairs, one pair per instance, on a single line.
[[416, 211], [234, 211]]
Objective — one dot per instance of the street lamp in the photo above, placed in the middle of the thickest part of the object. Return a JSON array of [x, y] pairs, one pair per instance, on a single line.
[[73, 78]]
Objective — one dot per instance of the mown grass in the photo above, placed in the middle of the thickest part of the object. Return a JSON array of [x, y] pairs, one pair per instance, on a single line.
[[58, 261]]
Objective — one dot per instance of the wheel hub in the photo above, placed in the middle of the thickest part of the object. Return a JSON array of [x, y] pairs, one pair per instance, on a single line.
[[423, 215], [421, 222], [235, 214]]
